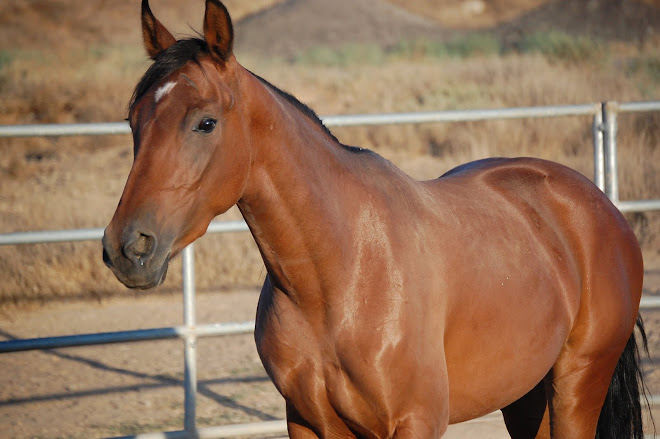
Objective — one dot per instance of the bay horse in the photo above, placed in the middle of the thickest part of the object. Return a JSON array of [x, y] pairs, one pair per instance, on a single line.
[[391, 307]]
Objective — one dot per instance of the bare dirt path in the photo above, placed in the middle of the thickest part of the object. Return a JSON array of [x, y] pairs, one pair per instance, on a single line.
[[124, 389]]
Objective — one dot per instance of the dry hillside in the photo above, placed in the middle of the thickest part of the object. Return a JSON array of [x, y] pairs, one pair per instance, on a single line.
[[613, 19], [53, 25], [303, 24]]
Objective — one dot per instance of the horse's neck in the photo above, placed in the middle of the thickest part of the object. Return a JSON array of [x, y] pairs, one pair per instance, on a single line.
[[292, 200]]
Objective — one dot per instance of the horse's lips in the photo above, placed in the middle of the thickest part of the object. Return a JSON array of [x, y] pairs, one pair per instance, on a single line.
[[141, 281], [162, 274]]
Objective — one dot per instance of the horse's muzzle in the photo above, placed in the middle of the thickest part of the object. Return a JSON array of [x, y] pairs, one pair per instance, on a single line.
[[136, 259]]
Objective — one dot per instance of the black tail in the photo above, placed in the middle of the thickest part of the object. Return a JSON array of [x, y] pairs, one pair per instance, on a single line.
[[621, 415]]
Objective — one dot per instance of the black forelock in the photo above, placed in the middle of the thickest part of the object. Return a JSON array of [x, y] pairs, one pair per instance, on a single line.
[[167, 62]]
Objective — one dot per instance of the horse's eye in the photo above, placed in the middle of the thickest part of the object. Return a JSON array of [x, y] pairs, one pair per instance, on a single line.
[[206, 126]]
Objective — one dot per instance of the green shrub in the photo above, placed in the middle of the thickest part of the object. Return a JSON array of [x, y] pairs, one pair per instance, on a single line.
[[561, 46], [6, 59], [372, 54], [349, 54], [459, 47], [646, 65], [473, 45], [417, 49]]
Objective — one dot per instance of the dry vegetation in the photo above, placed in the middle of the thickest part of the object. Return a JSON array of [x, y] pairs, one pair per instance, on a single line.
[[87, 74]]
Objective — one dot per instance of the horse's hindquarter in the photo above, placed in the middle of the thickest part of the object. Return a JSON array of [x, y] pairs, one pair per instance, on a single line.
[[519, 250]]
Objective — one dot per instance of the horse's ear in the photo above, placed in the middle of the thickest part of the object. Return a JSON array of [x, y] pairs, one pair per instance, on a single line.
[[156, 37], [218, 30]]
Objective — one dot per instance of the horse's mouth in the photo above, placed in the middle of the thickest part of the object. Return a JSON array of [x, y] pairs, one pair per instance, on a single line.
[[142, 277], [142, 282], [159, 279]]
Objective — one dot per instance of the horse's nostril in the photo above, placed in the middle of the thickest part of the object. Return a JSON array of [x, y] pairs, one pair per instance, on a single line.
[[144, 245], [140, 249]]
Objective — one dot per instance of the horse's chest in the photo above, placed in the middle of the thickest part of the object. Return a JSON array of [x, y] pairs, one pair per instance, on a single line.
[[329, 377]]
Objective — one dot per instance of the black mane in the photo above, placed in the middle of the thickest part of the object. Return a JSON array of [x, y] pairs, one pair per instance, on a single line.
[[311, 114], [183, 51], [304, 109]]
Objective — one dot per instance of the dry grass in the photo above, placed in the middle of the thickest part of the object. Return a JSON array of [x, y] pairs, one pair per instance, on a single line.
[[66, 183]]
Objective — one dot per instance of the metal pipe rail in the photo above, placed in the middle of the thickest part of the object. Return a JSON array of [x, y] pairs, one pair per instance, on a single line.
[[604, 132], [138, 335], [111, 128], [99, 338], [604, 128], [73, 235], [609, 127], [65, 129]]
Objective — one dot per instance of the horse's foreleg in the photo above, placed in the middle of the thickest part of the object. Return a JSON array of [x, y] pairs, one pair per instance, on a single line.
[[298, 428], [430, 418], [415, 427], [296, 425]]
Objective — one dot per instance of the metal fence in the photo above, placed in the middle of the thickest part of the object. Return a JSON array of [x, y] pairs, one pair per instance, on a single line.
[[604, 125]]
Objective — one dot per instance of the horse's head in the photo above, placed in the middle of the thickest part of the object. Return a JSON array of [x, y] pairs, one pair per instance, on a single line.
[[184, 121]]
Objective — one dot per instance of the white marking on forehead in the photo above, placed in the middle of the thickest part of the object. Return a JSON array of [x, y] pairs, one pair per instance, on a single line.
[[163, 90]]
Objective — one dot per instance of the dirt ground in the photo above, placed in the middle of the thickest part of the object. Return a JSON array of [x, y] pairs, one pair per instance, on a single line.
[[124, 389], [131, 388]]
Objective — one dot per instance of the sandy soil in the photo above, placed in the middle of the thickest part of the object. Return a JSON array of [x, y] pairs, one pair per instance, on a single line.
[[123, 389]]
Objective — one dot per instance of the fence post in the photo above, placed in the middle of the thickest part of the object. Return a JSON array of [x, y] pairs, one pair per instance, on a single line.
[[190, 343], [609, 140], [599, 152]]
